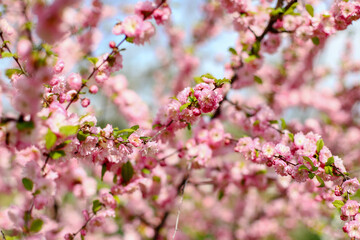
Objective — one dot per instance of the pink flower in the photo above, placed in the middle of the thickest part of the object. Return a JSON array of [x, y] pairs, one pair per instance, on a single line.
[[135, 140], [351, 185], [353, 229], [143, 9], [74, 81], [351, 208], [108, 200]]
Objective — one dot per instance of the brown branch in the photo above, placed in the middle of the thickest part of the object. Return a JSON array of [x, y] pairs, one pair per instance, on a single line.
[[14, 57]]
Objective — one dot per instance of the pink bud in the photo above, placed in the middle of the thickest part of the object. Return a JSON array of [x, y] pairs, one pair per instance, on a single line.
[[93, 89], [196, 112], [85, 102], [112, 44], [83, 232], [68, 236], [343, 217]]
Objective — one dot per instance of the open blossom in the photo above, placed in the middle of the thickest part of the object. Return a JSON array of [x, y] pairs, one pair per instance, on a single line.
[[74, 81], [351, 185], [351, 208], [135, 28]]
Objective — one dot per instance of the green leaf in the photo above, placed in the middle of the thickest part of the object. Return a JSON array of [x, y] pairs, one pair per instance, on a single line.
[[145, 171], [50, 139], [7, 55], [273, 121], [330, 161], [220, 82], [57, 154], [258, 80], [81, 136], [256, 123], [63, 144], [127, 172], [208, 75], [322, 184], [276, 11], [103, 171], [338, 203], [315, 40], [93, 60], [221, 194], [319, 145], [311, 163], [197, 80], [136, 127], [96, 206], [130, 39], [250, 58], [309, 9], [233, 51], [303, 167], [291, 136], [184, 106], [25, 125], [283, 123], [28, 184], [329, 170], [291, 9], [11, 71], [68, 130], [311, 175], [36, 225]]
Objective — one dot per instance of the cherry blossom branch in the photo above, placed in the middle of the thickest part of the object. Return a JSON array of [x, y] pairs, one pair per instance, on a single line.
[[3, 235], [267, 29], [14, 56], [180, 189], [94, 71]]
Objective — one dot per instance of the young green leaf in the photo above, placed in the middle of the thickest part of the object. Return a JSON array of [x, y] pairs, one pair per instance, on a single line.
[[68, 130], [103, 171], [338, 203], [315, 40], [28, 184], [258, 80], [50, 139], [57, 154], [36, 225], [96, 206], [319, 145], [321, 181], [330, 161], [184, 106], [127, 172], [93, 60], [311, 163], [233, 51], [309, 9]]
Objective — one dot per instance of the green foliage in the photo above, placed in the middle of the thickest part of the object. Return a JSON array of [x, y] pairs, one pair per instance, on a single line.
[[97, 205], [338, 203], [22, 125], [28, 184], [9, 72], [68, 130], [50, 139], [57, 154], [309, 9], [258, 80], [36, 225], [127, 172]]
